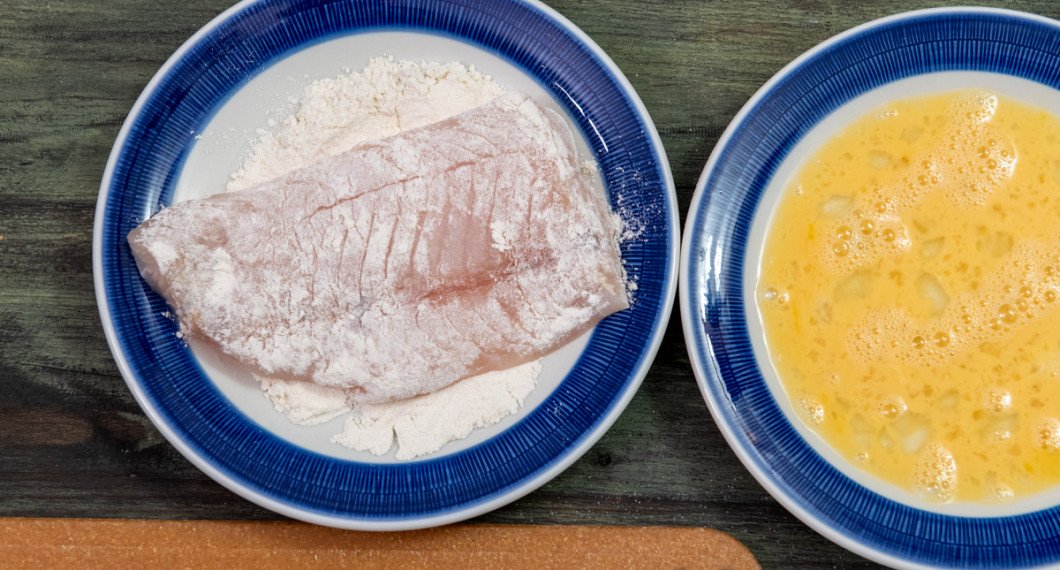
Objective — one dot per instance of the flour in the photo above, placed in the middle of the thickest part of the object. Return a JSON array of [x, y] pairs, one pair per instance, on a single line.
[[334, 115], [502, 236], [420, 425], [424, 424], [224, 281], [164, 254], [305, 403]]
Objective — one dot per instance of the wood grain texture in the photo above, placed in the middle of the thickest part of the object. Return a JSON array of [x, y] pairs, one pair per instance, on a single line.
[[75, 444], [102, 544]]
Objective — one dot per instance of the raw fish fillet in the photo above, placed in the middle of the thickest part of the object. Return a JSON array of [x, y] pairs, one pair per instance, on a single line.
[[402, 265]]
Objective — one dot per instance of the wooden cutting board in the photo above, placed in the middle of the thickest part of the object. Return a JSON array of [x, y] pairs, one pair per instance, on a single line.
[[99, 543]]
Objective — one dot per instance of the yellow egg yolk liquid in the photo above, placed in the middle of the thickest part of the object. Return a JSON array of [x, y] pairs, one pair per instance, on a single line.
[[909, 290]]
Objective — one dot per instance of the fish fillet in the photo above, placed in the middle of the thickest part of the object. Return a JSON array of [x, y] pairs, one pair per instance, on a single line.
[[402, 265]]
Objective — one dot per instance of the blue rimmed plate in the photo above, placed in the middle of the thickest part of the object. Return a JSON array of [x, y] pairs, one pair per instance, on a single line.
[[197, 115], [787, 119]]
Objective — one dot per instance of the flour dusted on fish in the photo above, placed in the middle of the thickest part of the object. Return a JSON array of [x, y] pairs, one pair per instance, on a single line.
[[333, 116], [375, 269], [406, 96]]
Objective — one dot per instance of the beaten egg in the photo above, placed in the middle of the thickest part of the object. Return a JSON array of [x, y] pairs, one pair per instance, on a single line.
[[908, 291]]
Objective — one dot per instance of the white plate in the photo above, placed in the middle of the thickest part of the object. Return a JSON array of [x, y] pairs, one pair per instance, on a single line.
[[190, 129]]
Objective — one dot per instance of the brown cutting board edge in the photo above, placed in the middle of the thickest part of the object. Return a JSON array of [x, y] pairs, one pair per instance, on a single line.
[[109, 543]]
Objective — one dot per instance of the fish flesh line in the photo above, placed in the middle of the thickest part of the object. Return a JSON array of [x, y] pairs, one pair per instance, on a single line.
[[402, 265]]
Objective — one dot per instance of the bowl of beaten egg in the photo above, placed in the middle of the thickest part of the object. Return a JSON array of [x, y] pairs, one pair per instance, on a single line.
[[870, 282]]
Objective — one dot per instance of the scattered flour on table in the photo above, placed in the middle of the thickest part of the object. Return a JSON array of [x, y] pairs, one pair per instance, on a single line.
[[333, 116]]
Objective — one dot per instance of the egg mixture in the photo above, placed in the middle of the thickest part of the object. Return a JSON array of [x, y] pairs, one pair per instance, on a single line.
[[909, 289]]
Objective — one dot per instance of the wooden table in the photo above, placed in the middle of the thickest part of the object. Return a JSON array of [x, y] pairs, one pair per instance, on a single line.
[[74, 444]]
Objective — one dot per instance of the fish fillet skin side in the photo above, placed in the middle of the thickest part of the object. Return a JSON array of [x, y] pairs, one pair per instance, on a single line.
[[402, 265]]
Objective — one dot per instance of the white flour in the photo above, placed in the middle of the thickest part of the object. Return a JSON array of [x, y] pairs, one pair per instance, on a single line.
[[335, 115], [426, 423], [420, 425]]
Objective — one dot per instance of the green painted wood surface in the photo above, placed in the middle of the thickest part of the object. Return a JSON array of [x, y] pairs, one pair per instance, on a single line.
[[74, 443]]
